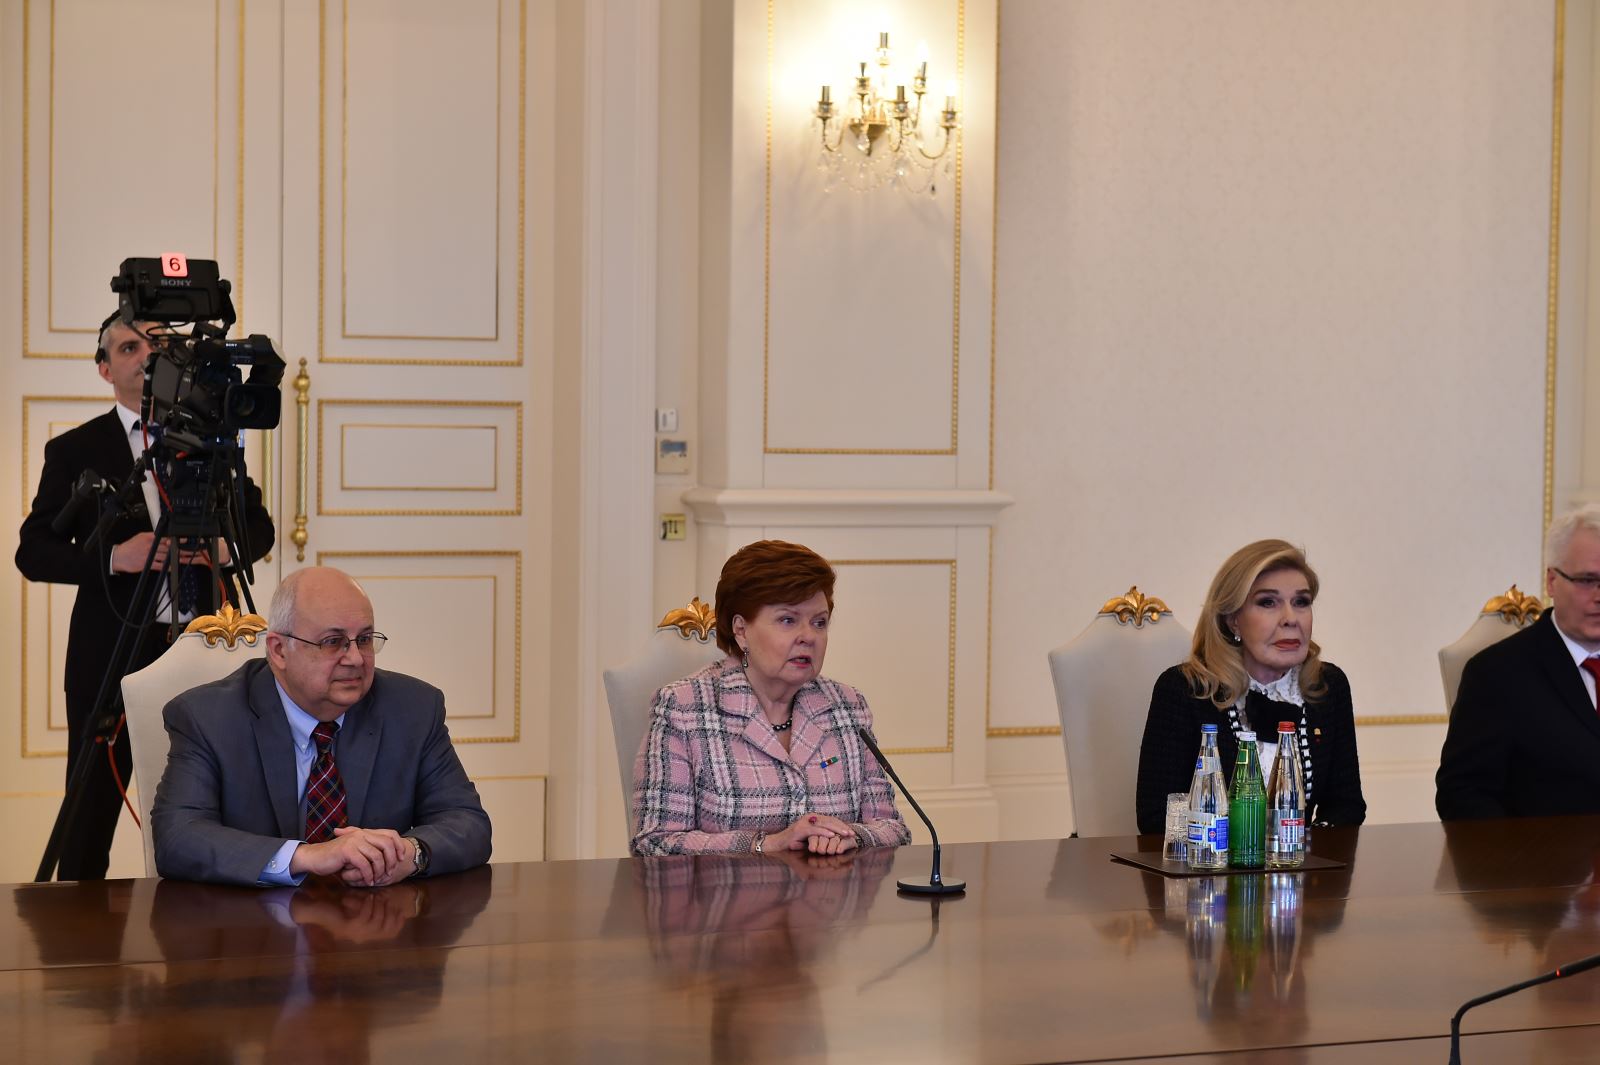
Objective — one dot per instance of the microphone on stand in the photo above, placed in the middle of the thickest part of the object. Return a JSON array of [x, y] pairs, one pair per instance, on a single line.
[[932, 884], [1581, 965]]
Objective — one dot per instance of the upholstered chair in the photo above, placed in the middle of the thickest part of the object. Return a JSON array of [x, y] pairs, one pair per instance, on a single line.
[[211, 647], [1500, 617], [685, 641], [1103, 679]]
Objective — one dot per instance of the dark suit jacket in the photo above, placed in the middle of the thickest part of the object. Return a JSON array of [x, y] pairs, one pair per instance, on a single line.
[[1524, 738], [1172, 740], [46, 555], [227, 800]]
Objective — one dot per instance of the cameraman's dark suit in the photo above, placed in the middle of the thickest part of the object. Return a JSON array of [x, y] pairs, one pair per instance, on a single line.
[[45, 555]]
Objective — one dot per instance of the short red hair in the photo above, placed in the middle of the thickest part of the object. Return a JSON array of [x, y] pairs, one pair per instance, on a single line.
[[762, 574]]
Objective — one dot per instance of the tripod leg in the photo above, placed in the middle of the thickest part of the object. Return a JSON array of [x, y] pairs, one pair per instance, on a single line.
[[107, 710]]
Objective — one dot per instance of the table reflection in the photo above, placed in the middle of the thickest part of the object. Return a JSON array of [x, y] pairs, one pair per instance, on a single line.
[[747, 932], [1248, 940], [241, 969], [1535, 929]]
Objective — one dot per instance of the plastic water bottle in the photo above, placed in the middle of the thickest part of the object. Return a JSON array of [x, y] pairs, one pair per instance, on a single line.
[[1208, 807], [1286, 804], [1247, 808]]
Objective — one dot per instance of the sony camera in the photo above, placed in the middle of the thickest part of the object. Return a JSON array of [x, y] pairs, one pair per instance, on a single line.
[[196, 390]]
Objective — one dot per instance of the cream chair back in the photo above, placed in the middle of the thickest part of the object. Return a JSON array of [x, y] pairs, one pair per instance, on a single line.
[[684, 642], [1500, 617], [1103, 679], [212, 646]]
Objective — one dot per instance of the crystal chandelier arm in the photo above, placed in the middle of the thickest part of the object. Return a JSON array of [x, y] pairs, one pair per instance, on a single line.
[[827, 117], [944, 145]]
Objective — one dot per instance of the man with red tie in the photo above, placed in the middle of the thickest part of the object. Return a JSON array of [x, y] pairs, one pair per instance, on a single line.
[[314, 761], [106, 577], [1524, 736]]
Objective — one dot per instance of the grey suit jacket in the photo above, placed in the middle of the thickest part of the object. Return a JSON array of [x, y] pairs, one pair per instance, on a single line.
[[227, 800]]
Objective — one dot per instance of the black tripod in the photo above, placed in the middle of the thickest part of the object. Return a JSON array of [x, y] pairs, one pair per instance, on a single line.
[[205, 491]]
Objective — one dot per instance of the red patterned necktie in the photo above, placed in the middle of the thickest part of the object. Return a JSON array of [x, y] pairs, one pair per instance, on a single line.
[[324, 788], [1592, 665]]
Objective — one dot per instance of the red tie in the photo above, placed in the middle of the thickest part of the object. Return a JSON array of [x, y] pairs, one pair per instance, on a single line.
[[324, 788], [1592, 665]]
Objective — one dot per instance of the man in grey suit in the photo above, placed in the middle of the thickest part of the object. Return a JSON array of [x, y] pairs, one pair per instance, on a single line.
[[257, 791]]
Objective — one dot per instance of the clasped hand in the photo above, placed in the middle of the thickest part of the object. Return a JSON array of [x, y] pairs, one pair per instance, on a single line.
[[361, 857], [816, 833], [129, 556]]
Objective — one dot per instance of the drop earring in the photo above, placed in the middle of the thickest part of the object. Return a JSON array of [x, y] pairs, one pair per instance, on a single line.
[[746, 651]]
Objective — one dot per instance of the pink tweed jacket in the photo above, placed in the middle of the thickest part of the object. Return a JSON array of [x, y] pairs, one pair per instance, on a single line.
[[712, 775]]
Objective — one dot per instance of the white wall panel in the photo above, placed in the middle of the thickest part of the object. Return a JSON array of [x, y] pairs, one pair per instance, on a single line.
[[422, 204], [446, 458], [420, 193], [1246, 293], [862, 286], [104, 178], [46, 609], [899, 611], [454, 619]]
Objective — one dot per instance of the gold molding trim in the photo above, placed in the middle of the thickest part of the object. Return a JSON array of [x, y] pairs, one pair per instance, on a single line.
[[544, 802], [228, 626], [950, 676], [27, 481], [766, 272], [516, 609], [216, 184], [994, 259], [1011, 732], [697, 621], [490, 512], [1558, 88], [49, 651], [1402, 719], [344, 441], [494, 650], [1515, 606], [1136, 607], [323, 356]]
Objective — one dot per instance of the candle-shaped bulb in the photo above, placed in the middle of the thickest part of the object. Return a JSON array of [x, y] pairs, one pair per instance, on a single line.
[[827, 94], [900, 94]]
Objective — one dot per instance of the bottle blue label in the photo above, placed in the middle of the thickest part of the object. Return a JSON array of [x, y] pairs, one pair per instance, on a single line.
[[1209, 829]]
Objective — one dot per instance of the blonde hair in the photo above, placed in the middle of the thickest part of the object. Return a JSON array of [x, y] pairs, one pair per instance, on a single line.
[[1215, 666]]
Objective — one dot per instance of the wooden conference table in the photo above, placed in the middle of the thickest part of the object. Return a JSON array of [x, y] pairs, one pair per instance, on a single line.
[[1055, 954]]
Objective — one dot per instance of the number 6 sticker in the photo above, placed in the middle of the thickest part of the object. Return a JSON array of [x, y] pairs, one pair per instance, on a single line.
[[174, 265]]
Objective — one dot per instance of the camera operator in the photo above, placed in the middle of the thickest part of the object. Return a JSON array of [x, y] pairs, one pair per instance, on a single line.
[[107, 576]]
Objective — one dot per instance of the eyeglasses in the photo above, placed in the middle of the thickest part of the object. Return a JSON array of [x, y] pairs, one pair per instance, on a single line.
[[368, 643], [1589, 584]]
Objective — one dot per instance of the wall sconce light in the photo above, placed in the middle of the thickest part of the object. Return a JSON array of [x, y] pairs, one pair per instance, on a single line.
[[877, 138]]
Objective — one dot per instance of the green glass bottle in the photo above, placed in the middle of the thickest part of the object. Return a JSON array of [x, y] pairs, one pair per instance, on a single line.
[[1247, 808]]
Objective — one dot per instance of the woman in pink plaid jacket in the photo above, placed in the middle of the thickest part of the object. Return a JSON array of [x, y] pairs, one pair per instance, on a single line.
[[759, 752]]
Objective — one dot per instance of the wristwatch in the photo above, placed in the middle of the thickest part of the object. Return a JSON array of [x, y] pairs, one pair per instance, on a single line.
[[419, 856]]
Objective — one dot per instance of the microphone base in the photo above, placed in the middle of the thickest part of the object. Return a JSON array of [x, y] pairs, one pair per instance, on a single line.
[[925, 885]]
